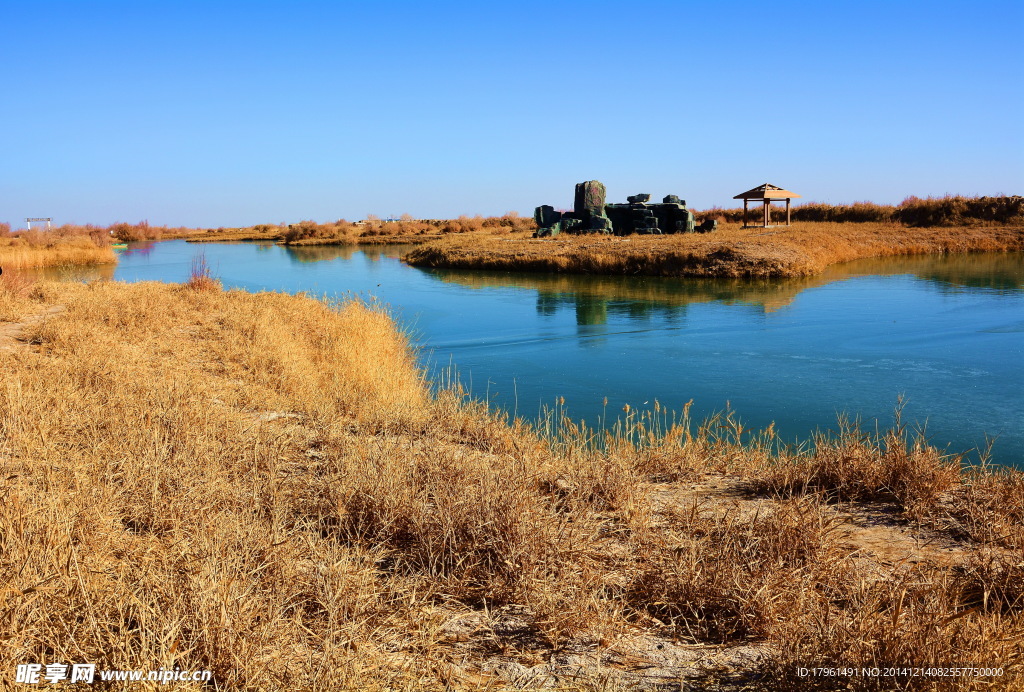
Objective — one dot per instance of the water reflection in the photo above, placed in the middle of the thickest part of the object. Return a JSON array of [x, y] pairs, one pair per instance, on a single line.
[[999, 271], [325, 253], [139, 250], [93, 272], [594, 298]]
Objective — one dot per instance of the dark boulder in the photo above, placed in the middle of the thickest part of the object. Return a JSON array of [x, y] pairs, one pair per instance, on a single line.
[[545, 215]]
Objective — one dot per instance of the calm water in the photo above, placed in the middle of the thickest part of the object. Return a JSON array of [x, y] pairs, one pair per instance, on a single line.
[[947, 333]]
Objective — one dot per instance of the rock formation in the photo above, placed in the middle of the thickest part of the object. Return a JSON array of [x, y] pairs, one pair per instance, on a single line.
[[591, 214]]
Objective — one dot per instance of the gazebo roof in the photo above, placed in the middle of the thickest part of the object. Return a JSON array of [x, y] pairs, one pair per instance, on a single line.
[[766, 191]]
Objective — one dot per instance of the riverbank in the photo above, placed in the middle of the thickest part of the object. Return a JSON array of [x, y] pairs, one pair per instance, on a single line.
[[19, 253], [373, 231], [263, 486], [804, 249]]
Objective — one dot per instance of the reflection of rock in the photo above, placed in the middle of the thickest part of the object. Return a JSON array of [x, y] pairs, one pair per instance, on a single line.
[[591, 214], [669, 298], [547, 303], [637, 295], [591, 310]]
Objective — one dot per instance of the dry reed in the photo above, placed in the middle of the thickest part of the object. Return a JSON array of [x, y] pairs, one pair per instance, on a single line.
[[201, 277], [53, 251], [262, 485]]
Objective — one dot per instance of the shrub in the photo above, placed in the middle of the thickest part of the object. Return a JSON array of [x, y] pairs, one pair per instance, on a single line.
[[201, 278]]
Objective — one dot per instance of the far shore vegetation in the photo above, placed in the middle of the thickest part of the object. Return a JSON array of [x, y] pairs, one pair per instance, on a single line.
[[65, 245], [371, 231], [265, 486], [803, 249], [950, 210], [821, 235]]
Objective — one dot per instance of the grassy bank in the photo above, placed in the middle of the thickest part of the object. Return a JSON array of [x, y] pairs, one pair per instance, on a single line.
[[53, 251], [803, 249], [262, 485], [372, 231]]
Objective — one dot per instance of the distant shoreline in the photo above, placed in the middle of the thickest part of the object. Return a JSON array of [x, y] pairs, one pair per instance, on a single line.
[[78, 251]]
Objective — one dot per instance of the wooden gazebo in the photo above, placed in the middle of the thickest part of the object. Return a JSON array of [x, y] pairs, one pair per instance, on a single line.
[[767, 194]]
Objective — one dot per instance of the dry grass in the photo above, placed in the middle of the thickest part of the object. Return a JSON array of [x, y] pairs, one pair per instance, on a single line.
[[949, 210], [371, 231], [263, 485], [201, 277], [102, 235], [15, 292], [53, 251], [404, 230], [261, 232], [803, 249], [856, 465]]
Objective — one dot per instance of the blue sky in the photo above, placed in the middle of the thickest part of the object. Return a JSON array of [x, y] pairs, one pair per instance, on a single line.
[[221, 113]]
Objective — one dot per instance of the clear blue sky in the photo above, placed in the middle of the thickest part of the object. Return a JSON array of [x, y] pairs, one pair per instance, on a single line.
[[223, 113]]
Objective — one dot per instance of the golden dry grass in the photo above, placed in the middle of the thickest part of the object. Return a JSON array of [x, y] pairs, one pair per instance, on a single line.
[[949, 210], [372, 231], [262, 485], [18, 253], [803, 249], [15, 292]]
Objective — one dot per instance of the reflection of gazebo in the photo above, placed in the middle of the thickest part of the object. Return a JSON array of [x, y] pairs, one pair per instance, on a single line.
[[766, 193]]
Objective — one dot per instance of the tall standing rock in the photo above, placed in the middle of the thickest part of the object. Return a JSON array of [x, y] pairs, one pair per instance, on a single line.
[[588, 206], [589, 198]]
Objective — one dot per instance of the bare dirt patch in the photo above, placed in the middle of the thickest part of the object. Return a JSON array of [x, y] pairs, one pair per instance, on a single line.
[[13, 335]]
